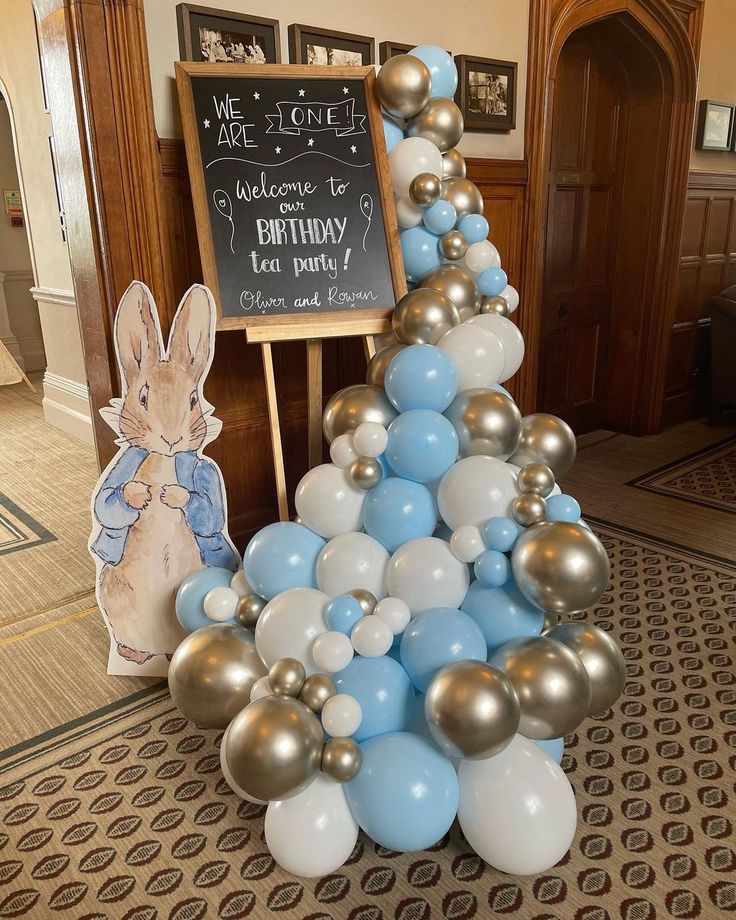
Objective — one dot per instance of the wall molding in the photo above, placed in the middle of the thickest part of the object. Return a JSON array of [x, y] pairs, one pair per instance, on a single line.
[[699, 179], [20, 274], [66, 406], [54, 295], [73, 387]]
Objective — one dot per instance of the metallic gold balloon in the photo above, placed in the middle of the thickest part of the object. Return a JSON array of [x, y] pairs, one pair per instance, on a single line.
[[249, 609], [528, 509], [552, 685], [495, 305], [212, 672], [423, 316], [273, 748], [560, 566], [365, 472], [549, 622], [378, 365], [546, 439], [425, 189], [342, 759], [453, 245], [456, 283], [453, 164], [472, 710], [353, 405], [536, 477], [366, 600], [486, 422], [601, 657], [440, 121], [317, 689], [463, 195], [404, 84], [286, 676]]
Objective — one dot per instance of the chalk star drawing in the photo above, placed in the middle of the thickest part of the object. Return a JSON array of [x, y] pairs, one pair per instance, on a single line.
[[278, 149], [366, 208], [206, 122], [225, 207], [256, 95], [301, 92], [353, 148], [345, 90], [310, 142]]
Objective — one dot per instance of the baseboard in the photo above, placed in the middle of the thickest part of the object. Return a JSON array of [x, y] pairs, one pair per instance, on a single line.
[[34, 356], [66, 406]]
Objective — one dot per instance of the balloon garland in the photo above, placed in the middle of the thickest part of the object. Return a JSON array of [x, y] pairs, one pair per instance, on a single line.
[[395, 658]]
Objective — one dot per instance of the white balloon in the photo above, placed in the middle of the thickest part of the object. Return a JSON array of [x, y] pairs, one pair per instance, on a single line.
[[475, 489], [341, 715], [289, 624], [314, 832], [424, 574], [482, 255], [328, 503], [342, 450], [240, 584], [517, 809], [407, 213], [511, 296], [372, 637], [477, 353], [260, 689], [332, 651], [371, 439], [466, 543], [511, 339], [410, 157], [394, 612], [352, 560], [226, 770], [220, 603]]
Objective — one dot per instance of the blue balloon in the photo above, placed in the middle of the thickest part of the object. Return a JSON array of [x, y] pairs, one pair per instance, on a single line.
[[437, 637], [282, 556], [440, 217], [397, 510], [420, 250], [421, 377], [422, 445], [343, 612], [492, 281], [189, 603], [563, 508], [500, 533], [492, 569], [392, 131], [384, 691], [555, 747], [502, 613], [441, 67], [474, 227], [406, 795]]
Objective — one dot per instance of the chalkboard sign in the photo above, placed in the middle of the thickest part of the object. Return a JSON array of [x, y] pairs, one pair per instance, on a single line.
[[292, 195]]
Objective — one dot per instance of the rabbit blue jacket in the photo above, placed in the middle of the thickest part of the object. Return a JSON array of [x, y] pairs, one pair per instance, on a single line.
[[204, 512]]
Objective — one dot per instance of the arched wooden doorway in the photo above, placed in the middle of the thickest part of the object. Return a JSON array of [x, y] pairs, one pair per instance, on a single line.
[[605, 207]]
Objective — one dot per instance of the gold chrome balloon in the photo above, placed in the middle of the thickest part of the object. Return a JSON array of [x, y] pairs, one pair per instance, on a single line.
[[317, 689], [404, 84], [528, 509], [212, 672], [353, 405], [560, 566], [249, 609], [453, 164], [273, 748], [453, 245], [456, 283], [440, 121], [425, 189], [342, 759], [552, 685], [486, 422], [549, 622], [423, 316], [366, 600], [546, 439], [536, 477], [495, 305], [286, 676], [472, 710], [365, 473], [463, 195], [601, 657], [378, 365]]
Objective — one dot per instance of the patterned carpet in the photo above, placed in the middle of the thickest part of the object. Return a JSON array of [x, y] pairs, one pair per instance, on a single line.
[[123, 813]]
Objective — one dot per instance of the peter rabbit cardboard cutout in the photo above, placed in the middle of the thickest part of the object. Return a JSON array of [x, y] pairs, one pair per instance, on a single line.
[[159, 510]]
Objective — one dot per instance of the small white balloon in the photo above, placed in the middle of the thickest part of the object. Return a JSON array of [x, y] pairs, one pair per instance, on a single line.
[[332, 651], [475, 489], [394, 612], [407, 213], [341, 715], [466, 543], [424, 574], [511, 339], [240, 584], [371, 439], [342, 450], [482, 255], [289, 624], [220, 604], [328, 503], [410, 157], [260, 689], [371, 637], [478, 355], [352, 560], [511, 296]]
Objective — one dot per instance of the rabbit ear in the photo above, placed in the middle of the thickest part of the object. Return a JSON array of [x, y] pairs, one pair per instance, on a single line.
[[137, 331], [190, 342]]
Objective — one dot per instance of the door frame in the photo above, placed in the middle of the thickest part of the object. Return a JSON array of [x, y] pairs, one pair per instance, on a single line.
[[552, 22]]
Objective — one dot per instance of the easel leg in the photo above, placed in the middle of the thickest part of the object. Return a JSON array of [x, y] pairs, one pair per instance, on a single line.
[[369, 346], [273, 418], [314, 400]]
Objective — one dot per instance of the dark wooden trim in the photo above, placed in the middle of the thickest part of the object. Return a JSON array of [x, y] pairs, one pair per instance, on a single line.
[[506, 172], [699, 179]]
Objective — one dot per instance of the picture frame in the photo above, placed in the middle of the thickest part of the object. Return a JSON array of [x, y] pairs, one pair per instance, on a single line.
[[213, 35], [388, 50], [309, 45], [715, 126], [486, 93]]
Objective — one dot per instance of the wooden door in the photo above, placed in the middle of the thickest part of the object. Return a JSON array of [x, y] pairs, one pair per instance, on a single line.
[[586, 166]]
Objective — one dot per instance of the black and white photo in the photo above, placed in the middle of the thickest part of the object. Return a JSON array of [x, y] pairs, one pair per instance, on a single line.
[[221, 37], [486, 93], [325, 47]]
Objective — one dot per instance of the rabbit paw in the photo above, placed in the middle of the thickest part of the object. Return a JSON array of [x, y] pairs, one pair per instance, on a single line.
[[137, 494], [174, 496], [131, 654]]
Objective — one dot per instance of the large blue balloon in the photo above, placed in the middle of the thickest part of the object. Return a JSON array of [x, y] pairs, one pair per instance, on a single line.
[[438, 637], [392, 131], [420, 250], [282, 556], [406, 794], [421, 377], [397, 510], [384, 691], [441, 67], [502, 613], [189, 604], [422, 445]]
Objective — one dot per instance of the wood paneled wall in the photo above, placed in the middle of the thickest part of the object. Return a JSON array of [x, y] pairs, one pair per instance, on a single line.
[[707, 266]]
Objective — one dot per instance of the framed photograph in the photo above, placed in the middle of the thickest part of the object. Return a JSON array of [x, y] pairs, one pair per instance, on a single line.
[[388, 50], [715, 125], [486, 93], [324, 47], [221, 37]]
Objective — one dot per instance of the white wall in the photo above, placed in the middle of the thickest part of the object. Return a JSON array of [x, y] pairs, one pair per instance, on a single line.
[[486, 28]]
